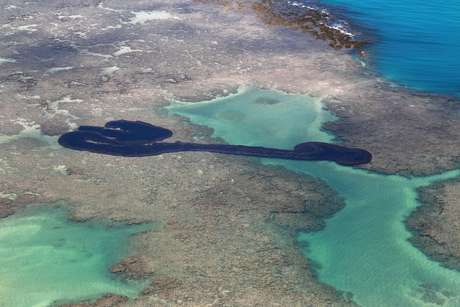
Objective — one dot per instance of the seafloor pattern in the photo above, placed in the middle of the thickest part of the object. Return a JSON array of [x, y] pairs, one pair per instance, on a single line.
[[226, 226]]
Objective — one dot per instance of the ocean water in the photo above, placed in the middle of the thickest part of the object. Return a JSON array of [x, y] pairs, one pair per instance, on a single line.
[[363, 249], [416, 43], [44, 258]]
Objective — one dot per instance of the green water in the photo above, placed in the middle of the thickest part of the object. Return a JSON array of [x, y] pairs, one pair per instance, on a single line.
[[363, 249], [46, 258]]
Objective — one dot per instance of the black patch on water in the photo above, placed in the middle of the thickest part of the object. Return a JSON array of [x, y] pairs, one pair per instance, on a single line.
[[138, 139]]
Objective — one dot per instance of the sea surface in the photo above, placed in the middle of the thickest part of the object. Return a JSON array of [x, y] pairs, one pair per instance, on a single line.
[[415, 43], [364, 248], [44, 258]]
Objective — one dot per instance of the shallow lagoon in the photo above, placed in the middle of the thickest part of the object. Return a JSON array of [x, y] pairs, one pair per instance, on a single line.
[[364, 248], [44, 258]]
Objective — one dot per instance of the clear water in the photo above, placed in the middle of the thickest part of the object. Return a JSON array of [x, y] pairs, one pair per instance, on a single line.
[[417, 42], [46, 258], [364, 248]]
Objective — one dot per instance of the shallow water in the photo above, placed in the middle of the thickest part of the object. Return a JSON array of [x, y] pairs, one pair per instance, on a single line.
[[44, 258], [417, 42], [364, 247], [30, 131]]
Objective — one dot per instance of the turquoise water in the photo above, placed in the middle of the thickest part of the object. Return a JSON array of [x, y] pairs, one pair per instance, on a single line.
[[417, 42], [364, 248], [45, 258]]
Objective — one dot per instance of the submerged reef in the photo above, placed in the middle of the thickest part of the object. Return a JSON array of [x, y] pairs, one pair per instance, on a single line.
[[220, 238], [435, 224], [137, 139], [309, 18]]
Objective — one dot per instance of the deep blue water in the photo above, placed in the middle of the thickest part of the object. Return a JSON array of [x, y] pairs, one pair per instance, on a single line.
[[416, 43]]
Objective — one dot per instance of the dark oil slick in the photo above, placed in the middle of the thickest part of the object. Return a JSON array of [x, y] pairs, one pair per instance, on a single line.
[[138, 139]]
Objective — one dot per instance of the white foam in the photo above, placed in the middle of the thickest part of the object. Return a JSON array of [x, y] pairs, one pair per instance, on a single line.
[[118, 26], [27, 28], [6, 60], [54, 107], [102, 55], [110, 70], [27, 97], [141, 17], [61, 169], [342, 28], [30, 130], [101, 6], [69, 99], [70, 16], [81, 34], [58, 69], [125, 50], [300, 4], [71, 125], [10, 196]]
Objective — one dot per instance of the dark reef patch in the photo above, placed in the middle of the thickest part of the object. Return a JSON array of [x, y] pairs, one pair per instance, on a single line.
[[309, 18], [138, 139], [427, 220]]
